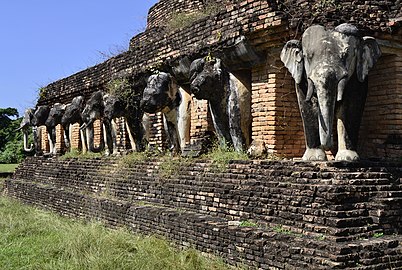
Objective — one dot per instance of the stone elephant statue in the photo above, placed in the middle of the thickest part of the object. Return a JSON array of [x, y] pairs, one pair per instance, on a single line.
[[115, 107], [34, 119], [229, 100], [92, 111], [330, 70], [162, 94], [54, 119], [71, 116]]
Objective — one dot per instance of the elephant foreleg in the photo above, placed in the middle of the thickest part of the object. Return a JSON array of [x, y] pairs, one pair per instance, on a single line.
[[130, 136], [349, 114], [170, 123], [109, 137], [184, 118], [84, 142], [309, 115], [67, 136], [52, 140], [220, 121]]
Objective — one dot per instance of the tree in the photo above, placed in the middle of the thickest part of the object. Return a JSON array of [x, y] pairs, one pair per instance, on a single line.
[[11, 146], [5, 124]]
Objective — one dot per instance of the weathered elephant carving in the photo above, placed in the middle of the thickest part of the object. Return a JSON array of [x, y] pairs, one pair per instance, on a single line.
[[93, 110], [53, 119], [35, 119], [71, 116], [162, 94], [115, 107], [229, 100], [330, 70]]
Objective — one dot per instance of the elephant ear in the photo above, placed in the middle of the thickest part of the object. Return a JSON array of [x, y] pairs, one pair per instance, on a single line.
[[292, 57], [369, 54]]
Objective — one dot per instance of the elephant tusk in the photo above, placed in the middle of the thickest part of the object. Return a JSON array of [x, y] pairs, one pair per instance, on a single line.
[[310, 90], [341, 88]]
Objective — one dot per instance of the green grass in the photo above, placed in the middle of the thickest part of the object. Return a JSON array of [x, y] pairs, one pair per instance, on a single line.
[[248, 223], [8, 167], [35, 239], [74, 153]]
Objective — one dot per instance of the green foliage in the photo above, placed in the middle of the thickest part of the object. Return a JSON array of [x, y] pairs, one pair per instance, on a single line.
[[280, 229], [13, 151], [171, 166], [42, 93], [33, 239], [248, 223], [185, 19], [11, 144], [321, 237], [134, 158], [221, 154], [122, 89], [75, 153], [7, 125], [118, 87], [378, 235]]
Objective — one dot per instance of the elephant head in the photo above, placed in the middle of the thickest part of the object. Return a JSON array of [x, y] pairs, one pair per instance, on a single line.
[[328, 65], [206, 79], [53, 119], [229, 100], [72, 115], [39, 118], [113, 107], [161, 93], [93, 110]]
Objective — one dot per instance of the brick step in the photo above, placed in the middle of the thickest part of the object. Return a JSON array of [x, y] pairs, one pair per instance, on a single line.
[[256, 246]]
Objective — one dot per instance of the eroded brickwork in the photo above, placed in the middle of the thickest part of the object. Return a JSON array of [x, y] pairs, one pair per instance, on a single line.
[[305, 215]]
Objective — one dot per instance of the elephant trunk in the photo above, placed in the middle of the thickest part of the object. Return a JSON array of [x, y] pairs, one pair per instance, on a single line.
[[327, 93]]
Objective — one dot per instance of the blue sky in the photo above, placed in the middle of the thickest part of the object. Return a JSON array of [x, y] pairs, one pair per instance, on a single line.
[[42, 41]]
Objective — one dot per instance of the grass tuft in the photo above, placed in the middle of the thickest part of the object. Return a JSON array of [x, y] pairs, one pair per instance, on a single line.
[[76, 154], [185, 19], [35, 239], [221, 155]]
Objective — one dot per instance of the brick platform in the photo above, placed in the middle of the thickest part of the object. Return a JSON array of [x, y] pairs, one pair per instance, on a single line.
[[315, 216]]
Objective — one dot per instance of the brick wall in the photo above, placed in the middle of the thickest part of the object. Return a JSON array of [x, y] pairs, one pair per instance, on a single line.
[[305, 215], [161, 12], [276, 117], [381, 132], [201, 121], [267, 25]]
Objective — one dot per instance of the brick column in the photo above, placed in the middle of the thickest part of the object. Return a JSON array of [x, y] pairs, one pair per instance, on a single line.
[[274, 108], [75, 136], [157, 135], [381, 129], [59, 138], [201, 121], [44, 139]]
